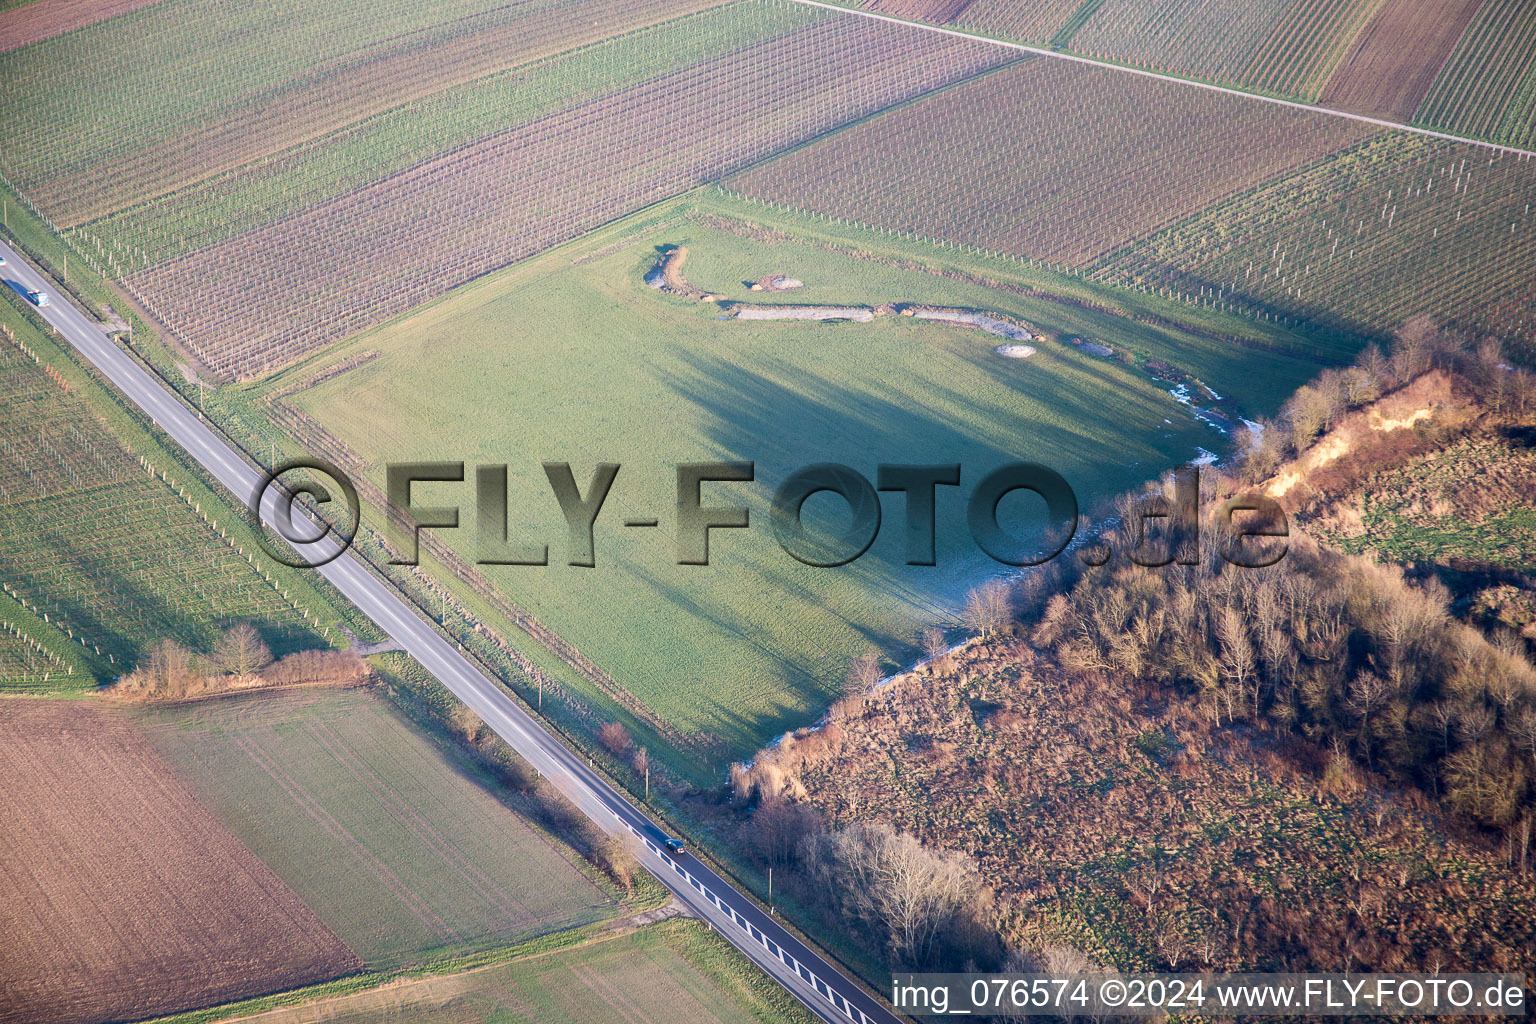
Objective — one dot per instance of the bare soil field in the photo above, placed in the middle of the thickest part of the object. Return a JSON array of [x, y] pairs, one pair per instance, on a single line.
[[389, 837], [1394, 61], [1091, 160], [935, 11], [44, 19], [121, 896]]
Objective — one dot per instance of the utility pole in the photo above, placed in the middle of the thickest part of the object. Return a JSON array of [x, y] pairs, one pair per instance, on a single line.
[[648, 782], [770, 890], [541, 691]]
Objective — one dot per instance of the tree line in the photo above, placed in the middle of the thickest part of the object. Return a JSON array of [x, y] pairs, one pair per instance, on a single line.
[[239, 660]]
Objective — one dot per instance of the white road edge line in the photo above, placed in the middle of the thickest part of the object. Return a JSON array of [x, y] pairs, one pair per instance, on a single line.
[[1193, 83]]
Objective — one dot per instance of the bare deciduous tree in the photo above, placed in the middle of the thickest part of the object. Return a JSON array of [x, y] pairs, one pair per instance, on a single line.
[[240, 650], [779, 828], [988, 608], [1367, 693], [935, 646], [168, 670], [863, 674], [893, 880], [1237, 659]]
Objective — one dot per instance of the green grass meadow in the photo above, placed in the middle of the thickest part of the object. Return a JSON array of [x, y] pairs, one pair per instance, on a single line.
[[570, 357], [670, 971], [393, 840]]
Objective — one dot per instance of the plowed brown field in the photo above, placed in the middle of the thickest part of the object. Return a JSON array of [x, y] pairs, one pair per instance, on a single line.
[[121, 897], [935, 11], [1392, 64]]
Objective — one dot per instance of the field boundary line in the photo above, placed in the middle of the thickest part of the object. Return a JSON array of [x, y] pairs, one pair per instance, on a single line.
[[1193, 83]]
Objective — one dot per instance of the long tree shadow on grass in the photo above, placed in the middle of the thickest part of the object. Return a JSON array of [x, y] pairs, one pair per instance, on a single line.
[[783, 419]]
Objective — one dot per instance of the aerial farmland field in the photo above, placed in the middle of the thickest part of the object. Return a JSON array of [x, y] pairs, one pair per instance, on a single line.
[[730, 653], [658, 974], [223, 205], [1036, 22], [1487, 87], [36, 20], [121, 896], [1374, 57], [103, 553], [1280, 46], [1217, 228], [1090, 160], [1392, 63], [349, 262], [1396, 227], [389, 837], [747, 748], [163, 114], [319, 208]]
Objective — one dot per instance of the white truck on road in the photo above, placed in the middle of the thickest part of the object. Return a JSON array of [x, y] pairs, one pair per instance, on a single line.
[[38, 298]]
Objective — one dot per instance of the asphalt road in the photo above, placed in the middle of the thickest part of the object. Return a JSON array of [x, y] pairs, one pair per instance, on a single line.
[[811, 979]]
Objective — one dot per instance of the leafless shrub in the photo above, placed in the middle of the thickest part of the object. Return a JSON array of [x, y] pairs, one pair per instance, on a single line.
[[863, 674], [465, 722], [614, 738]]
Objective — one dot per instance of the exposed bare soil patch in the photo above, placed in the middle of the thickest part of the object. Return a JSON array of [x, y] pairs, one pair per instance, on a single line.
[[1390, 67], [935, 11], [667, 276], [122, 897]]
